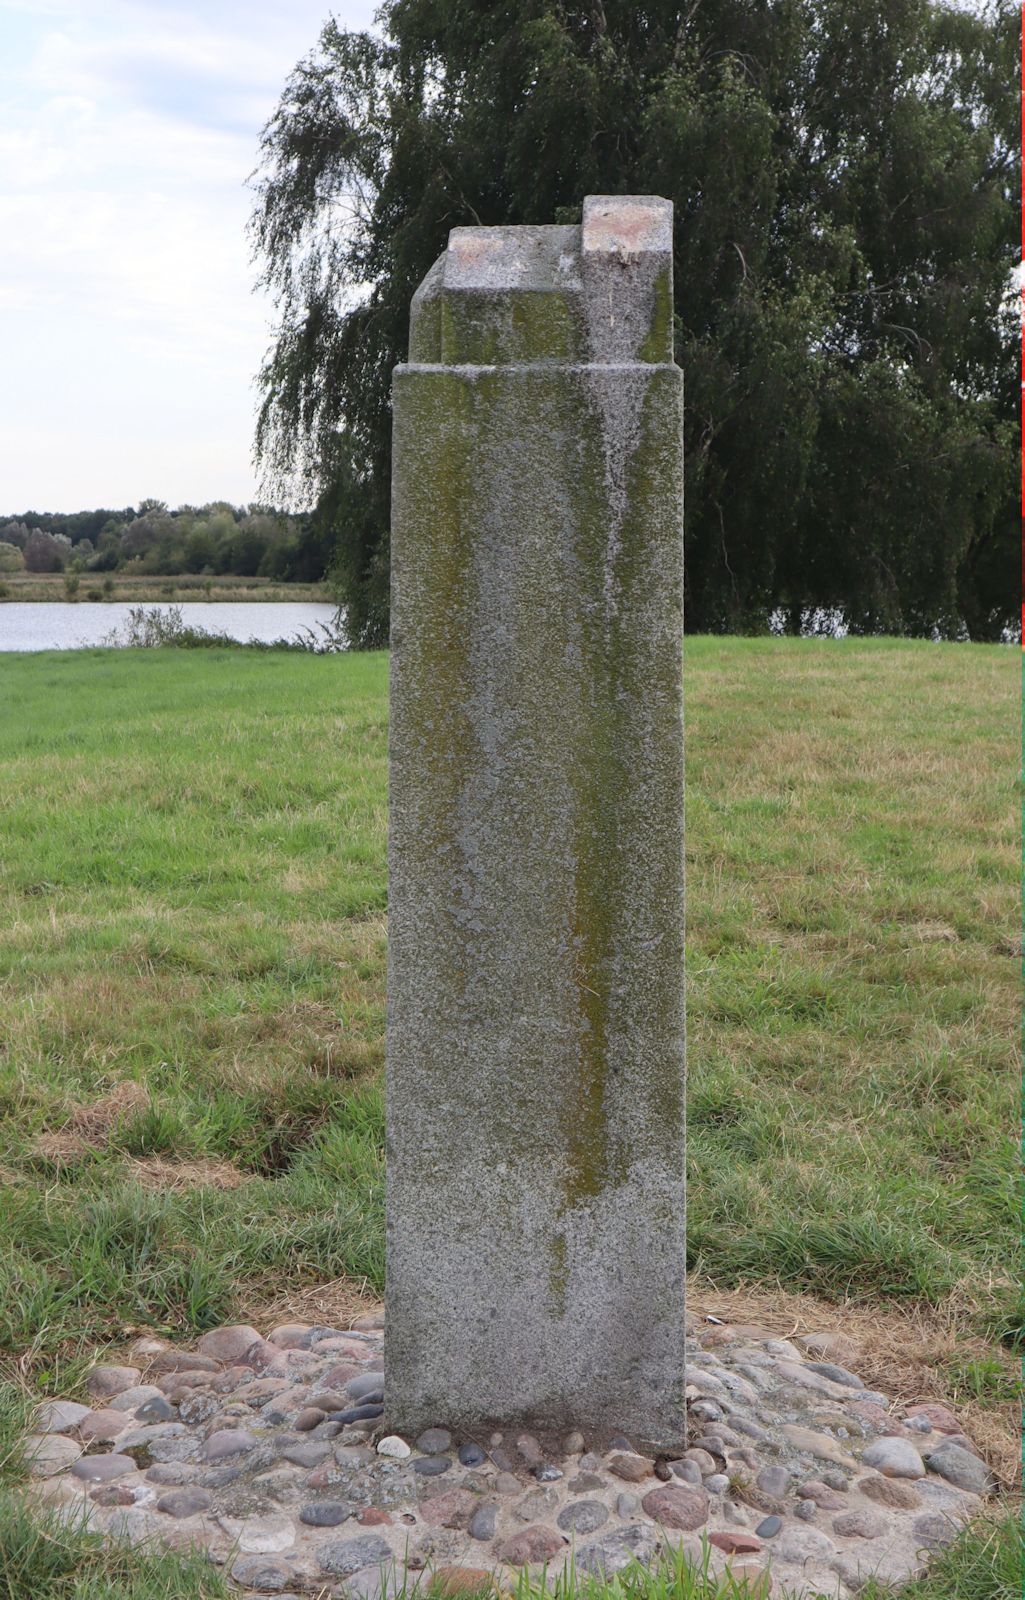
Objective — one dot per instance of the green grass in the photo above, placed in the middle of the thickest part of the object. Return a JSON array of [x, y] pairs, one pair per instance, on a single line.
[[192, 896], [42, 1558]]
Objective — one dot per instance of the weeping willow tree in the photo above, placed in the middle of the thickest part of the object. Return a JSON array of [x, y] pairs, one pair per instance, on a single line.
[[843, 174]]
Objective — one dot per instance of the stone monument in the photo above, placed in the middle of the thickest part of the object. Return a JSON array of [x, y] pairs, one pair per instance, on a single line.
[[535, 1044]]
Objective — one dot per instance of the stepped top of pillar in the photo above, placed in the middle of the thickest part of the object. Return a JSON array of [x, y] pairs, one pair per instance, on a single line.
[[597, 292]]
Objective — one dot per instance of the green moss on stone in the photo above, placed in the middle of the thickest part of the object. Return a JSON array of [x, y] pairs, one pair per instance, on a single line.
[[658, 346], [518, 326]]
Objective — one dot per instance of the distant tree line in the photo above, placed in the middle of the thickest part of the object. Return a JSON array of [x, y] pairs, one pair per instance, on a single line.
[[249, 541], [845, 181]]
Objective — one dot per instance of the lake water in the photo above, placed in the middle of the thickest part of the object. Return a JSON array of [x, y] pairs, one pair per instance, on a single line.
[[64, 625]]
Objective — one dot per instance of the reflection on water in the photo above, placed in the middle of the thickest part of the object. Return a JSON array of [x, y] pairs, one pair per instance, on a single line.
[[66, 625]]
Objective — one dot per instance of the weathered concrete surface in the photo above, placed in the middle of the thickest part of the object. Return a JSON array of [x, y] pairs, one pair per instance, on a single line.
[[536, 1231]]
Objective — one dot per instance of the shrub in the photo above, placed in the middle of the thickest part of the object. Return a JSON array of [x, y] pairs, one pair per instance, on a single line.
[[156, 629]]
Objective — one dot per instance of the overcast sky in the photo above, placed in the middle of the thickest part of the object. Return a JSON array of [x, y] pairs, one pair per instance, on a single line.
[[129, 332]]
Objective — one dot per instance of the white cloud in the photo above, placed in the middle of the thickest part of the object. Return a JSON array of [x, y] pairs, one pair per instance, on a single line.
[[129, 330]]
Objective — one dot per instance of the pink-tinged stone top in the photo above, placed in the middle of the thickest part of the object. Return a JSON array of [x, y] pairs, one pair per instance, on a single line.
[[627, 225]]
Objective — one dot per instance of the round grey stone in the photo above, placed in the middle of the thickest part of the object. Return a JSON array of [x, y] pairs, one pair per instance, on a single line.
[[582, 1516], [750, 1429], [325, 1513], [134, 1525], [155, 1410], [483, 1523], [102, 1469], [367, 1384], [262, 1573], [769, 1527], [829, 1369], [50, 1453], [804, 1544], [105, 1382], [58, 1416], [345, 1556], [132, 1399], [834, 1480], [614, 1551], [170, 1472], [688, 1471], [185, 1502], [327, 1430], [717, 1482], [934, 1531], [861, 1524], [805, 1509], [471, 1455], [774, 1481], [220, 1477], [894, 1457], [228, 1442], [961, 1468], [627, 1505], [307, 1453], [432, 1466], [433, 1441]]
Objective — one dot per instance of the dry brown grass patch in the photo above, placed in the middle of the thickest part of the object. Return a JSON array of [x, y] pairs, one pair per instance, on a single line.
[[96, 1121], [335, 1305], [154, 1172], [88, 1127], [909, 1354], [61, 1149], [932, 933]]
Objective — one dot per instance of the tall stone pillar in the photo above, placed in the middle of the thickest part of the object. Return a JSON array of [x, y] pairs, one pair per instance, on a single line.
[[535, 1266]]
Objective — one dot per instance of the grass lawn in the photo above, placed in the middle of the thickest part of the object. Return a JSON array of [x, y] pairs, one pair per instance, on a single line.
[[192, 942]]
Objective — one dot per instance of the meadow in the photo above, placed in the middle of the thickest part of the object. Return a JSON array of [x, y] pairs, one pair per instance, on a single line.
[[192, 946], [139, 588]]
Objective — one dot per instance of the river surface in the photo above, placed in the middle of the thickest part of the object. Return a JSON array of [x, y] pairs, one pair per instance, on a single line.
[[70, 625]]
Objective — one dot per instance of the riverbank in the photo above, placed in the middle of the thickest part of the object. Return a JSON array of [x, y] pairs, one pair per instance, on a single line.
[[58, 625], [134, 590]]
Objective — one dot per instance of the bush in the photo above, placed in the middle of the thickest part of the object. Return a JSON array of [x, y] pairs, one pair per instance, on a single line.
[[157, 629], [11, 558], [45, 552]]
